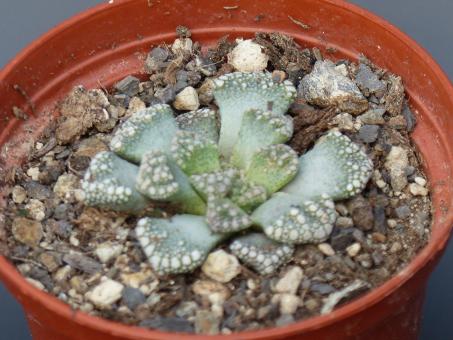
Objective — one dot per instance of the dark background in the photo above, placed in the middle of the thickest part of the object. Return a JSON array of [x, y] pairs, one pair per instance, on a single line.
[[428, 22]]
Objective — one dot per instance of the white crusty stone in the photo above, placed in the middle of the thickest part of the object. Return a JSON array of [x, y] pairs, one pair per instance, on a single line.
[[183, 45], [289, 303], [418, 190], [221, 266], [19, 194], [36, 210], [107, 251], [290, 282], [187, 100], [396, 162], [327, 86], [33, 173], [106, 293], [66, 186], [248, 56]]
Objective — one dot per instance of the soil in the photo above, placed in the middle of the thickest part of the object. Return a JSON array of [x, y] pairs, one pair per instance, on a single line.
[[55, 241]]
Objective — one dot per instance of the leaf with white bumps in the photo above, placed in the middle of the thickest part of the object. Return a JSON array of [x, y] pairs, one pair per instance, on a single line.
[[237, 92], [177, 245], [213, 184], [203, 122], [223, 216], [336, 167], [285, 219], [273, 167], [110, 183], [161, 179], [155, 178], [262, 254], [149, 129], [194, 154], [260, 129], [246, 194]]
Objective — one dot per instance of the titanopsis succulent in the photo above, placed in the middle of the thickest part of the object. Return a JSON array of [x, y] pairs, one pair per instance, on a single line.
[[226, 181]]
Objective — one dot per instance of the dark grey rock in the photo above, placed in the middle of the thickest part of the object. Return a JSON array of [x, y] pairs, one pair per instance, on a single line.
[[169, 324], [380, 220], [133, 297], [193, 78], [37, 191], [121, 99], [42, 276], [342, 238], [182, 75], [129, 86], [409, 170], [160, 54], [369, 133], [63, 229], [82, 262], [321, 288], [411, 121], [166, 95], [61, 211], [361, 213], [180, 85], [403, 212], [368, 82], [373, 117]]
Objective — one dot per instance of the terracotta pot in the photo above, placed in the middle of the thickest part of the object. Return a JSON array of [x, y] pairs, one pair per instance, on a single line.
[[102, 45]]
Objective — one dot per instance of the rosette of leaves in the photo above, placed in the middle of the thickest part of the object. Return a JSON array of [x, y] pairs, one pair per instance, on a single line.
[[231, 176]]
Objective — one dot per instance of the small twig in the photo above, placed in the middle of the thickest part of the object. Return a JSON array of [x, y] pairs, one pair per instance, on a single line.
[[299, 23], [229, 8], [21, 259], [102, 87], [24, 94], [52, 143]]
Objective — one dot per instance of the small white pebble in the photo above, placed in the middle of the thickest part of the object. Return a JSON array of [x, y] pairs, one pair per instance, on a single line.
[[33, 173], [420, 181], [106, 293], [107, 251], [417, 190], [39, 145], [326, 249], [187, 99], [396, 247], [35, 283], [391, 223], [74, 241], [248, 56], [290, 282], [353, 249]]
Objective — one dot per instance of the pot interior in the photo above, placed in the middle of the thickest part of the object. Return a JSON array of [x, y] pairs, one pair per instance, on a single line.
[[104, 45]]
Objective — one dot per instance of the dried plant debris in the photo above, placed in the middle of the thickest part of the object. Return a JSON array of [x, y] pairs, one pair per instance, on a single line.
[[282, 194]]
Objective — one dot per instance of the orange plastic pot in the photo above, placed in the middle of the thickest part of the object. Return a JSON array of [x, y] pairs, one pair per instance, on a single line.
[[102, 45]]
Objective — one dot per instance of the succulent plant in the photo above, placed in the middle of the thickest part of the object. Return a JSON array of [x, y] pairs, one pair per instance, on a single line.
[[226, 179]]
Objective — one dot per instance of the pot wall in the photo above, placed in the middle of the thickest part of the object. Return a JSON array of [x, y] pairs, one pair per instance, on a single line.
[[103, 45]]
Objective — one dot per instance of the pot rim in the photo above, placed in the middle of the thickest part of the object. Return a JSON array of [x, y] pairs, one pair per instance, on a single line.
[[434, 246]]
